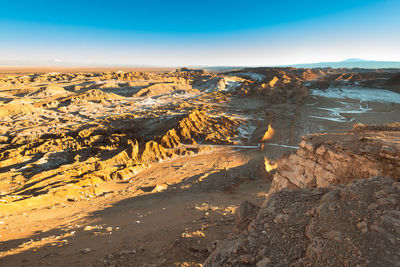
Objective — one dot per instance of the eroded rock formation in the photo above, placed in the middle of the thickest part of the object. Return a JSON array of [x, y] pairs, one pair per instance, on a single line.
[[325, 159], [112, 148]]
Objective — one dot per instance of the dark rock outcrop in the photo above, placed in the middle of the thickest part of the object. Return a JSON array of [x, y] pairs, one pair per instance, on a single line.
[[357, 224], [245, 214]]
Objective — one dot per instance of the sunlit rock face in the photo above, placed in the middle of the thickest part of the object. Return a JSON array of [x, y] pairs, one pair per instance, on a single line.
[[268, 134], [325, 159]]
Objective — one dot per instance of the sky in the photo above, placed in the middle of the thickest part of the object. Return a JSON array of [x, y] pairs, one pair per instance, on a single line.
[[198, 33]]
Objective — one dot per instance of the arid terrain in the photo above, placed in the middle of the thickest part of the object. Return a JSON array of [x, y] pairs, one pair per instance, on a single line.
[[258, 166]]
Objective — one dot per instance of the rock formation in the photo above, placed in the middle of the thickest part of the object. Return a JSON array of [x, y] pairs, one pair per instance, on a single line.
[[106, 149], [325, 159], [357, 224], [335, 201]]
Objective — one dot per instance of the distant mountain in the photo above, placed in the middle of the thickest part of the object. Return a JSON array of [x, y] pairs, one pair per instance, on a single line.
[[355, 60], [350, 63]]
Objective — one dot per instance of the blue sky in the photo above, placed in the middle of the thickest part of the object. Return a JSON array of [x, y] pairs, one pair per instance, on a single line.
[[178, 33]]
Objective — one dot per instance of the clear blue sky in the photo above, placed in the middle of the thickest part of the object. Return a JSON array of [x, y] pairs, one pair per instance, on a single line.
[[176, 33]]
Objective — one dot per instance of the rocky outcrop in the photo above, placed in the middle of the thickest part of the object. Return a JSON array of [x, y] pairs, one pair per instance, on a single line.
[[395, 80], [357, 224], [325, 159], [198, 126], [90, 95], [277, 90], [245, 214], [162, 88], [276, 85]]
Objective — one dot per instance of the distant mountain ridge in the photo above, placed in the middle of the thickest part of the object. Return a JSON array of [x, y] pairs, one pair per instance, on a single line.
[[350, 63], [355, 60]]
